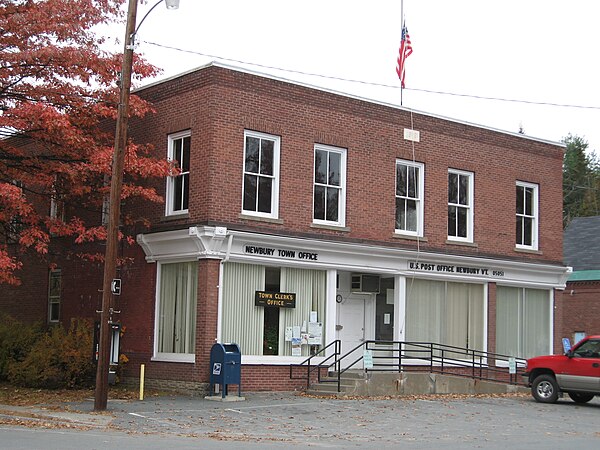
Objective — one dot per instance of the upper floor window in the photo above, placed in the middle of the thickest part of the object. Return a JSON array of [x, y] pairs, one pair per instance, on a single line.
[[57, 204], [329, 201], [460, 206], [261, 174], [527, 215], [178, 186], [409, 198], [54, 289]]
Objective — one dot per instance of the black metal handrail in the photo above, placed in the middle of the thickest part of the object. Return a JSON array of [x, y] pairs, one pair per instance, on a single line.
[[414, 356], [324, 364]]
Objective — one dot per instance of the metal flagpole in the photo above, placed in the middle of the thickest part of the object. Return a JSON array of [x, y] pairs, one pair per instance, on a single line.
[[401, 31]]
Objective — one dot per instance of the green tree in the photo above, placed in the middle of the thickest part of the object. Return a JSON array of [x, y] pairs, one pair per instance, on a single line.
[[581, 180]]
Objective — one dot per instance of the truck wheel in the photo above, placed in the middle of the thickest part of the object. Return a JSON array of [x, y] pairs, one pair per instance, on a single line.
[[578, 397], [545, 389]]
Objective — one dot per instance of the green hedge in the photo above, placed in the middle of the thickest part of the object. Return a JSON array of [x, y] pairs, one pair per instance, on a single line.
[[32, 356]]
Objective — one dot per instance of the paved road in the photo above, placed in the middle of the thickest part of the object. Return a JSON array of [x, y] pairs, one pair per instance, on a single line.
[[286, 420]]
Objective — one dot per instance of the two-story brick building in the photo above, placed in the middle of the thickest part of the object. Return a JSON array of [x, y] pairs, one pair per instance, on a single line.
[[302, 216]]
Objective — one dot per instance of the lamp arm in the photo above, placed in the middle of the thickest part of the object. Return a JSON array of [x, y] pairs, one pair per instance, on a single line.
[[132, 37]]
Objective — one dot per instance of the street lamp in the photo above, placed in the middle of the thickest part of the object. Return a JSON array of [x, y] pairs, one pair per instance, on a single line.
[[114, 212]]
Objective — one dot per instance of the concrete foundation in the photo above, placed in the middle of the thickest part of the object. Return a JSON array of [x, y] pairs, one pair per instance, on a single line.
[[411, 383]]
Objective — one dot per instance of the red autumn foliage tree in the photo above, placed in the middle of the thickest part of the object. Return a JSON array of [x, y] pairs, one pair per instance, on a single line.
[[57, 90]]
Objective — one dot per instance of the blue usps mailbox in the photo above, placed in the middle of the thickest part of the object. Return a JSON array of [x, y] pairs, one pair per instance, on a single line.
[[225, 367]]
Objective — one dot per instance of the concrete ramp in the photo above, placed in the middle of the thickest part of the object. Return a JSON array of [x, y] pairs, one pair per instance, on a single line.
[[374, 384]]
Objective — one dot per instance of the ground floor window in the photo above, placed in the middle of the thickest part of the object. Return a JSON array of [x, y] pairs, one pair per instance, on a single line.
[[445, 312], [54, 294], [263, 330], [522, 321], [176, 309]]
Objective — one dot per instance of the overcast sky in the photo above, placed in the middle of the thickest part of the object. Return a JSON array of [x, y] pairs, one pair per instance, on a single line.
[[544, 51]]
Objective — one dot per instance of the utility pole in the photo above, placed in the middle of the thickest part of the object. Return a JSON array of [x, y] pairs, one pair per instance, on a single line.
[[112, 235]]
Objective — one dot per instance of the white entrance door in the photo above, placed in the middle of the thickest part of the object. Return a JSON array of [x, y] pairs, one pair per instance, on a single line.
[[353, 327]]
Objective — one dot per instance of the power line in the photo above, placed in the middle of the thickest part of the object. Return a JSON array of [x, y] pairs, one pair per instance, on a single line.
[[369, 83]]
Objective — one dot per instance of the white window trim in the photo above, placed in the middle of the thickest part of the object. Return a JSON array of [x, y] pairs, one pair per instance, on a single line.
[[156, 355], [535, 217], [420, 199], [170, 191], [274, 214], [341, 222], [471, 207]]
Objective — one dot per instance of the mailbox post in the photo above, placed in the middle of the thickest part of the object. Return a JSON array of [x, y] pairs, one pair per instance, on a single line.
[[225, 367]]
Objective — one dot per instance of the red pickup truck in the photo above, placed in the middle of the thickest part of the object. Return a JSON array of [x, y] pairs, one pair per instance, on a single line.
[[576, 373]]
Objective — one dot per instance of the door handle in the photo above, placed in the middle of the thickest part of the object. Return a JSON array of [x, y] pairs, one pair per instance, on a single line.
[[596, 365]]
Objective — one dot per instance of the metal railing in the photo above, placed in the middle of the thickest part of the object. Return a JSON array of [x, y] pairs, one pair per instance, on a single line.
[[401, 356]]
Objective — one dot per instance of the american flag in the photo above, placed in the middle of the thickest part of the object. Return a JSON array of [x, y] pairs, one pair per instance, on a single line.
[[405, 52]]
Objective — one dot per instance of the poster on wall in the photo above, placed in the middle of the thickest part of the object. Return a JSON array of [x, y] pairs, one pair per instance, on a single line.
[[315, 333], [296, 346]]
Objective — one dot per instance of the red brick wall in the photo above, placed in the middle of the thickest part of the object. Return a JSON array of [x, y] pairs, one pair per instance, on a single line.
[[218, 104], [580, 310]]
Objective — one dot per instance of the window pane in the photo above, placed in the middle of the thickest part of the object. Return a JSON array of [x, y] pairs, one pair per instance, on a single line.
[[250, 192], [185, 161], [452, 188], [451, 220], [177, 192], [401, 179], [320, 167], [519, 231], [463, 193], [177, 308], [411, 215], [334, 168], [186, 190], [536, 329], [54, 311], [400, 214], [462, 222], [251, 164], [424, 310], [413, 179], [520, 195], [177, 152], [266, 157], [529, 201], [54, 290], [332, 204], [264, 194], [508, 320], [527, 231], [319, 203]]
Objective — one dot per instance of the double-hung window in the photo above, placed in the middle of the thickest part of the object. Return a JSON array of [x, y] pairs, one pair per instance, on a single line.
[[261, 175], [57, 204], [527, 216], [460, 206], [54, 292], [329, 197], [409, 198], [178, 185], [176, 300]]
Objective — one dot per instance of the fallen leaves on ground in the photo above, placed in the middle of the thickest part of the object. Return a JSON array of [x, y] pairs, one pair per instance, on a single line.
[[20, 396]]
